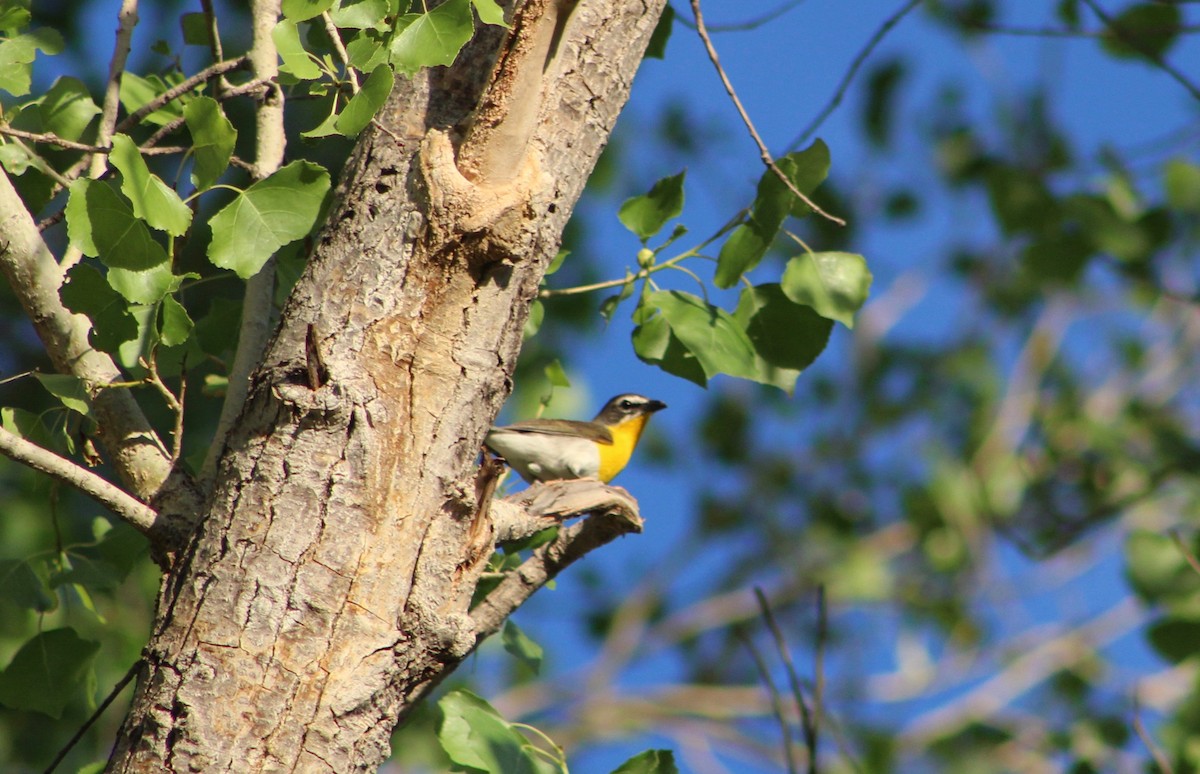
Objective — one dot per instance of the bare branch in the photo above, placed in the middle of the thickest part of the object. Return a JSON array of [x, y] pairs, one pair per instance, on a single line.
[[115, 499], [764, 153], [34, 276], [112, 695], [1156, 752], [613, 514], [173, 93], [1154, 57], [127, 19], [808, 720], [861, 57], [785, 727], [51, 139], [260, 289], [336, 38]]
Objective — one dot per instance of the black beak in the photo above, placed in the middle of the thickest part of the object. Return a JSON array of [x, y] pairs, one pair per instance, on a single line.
[[655, 405]]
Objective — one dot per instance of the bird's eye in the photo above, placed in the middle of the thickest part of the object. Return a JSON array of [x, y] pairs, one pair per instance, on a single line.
[[626, 404]]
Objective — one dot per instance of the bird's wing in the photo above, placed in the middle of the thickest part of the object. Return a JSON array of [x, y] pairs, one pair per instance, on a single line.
[[570, 427]]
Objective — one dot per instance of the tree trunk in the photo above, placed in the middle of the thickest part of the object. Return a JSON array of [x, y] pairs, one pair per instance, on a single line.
[[326, 589]]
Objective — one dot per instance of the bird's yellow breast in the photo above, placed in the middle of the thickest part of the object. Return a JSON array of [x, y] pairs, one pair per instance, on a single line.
[[614, 457]]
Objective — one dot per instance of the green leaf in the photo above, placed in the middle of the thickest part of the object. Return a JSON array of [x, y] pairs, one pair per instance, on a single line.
[[87, 572], [1182, 183], [14, 18], [433, 38], [363, 106], [194, 27], [773, 202], [1021, 201], [835, 284], [556, 375], [299, 10], [86, 292], [657, 48], [326, 128], [1157, 569], [22, 586], [29, 426], [786, 336], [68, 389], [363, 14], [148, 286], [533, 323], [266, 216], [1175, 638], [366, 52], [122, 547], [645, 215], [213, 138], [517, 643], [47, 672], [709, 333], [557, 263], [1145, 29], [17, 55], [490, 12], [153, 200], [608, 306], [475, 736], [649, 762], [296, 60], [67, 108], [655, 344], [101, 224], [137, 91], [176, 324]]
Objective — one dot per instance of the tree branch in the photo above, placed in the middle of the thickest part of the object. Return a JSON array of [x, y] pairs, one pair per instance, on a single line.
[[861, 57], [258, 299], [763, 152], [173, 93], [112, 497], [127, 19], [139, 457], [1131, 40], [613, 513]]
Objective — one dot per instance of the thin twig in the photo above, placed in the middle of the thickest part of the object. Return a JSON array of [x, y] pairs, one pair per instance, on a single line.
[[127, 19], [173, 93], [1134, 43], [148, 147], [819, 664], [807, 722], [764, 153], [112, 695], [1156, 752], [110, 495], [749, 24], [861, 57], [335, 36], [785, 728], [214, 41], [1187, 552], [173, 403], [48, 138]]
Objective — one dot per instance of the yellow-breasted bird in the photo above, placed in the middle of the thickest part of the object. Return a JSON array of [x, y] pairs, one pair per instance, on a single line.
[[555, 449]]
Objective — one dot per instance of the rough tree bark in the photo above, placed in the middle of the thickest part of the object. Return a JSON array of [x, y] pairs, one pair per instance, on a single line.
[[326, 588]]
